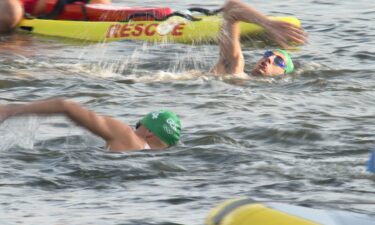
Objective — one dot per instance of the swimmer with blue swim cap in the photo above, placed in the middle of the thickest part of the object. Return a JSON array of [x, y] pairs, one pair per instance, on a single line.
[[273, 63]]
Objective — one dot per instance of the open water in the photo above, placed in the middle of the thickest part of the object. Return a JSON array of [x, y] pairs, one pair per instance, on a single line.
[[303, 138]]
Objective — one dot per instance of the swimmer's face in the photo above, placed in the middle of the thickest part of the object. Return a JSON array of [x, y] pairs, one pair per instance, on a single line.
[[271, 64]]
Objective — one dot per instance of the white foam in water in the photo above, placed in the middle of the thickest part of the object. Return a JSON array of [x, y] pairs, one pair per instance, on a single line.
[[167, 76], [106, 71], [18, 132], [309, 66]]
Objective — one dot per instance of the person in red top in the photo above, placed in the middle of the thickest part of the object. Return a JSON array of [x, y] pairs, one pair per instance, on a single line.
[[38, 7], [12, 11]]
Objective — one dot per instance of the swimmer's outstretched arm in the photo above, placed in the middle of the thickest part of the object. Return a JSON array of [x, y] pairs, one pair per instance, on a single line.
[[231, 59], [109, 129]]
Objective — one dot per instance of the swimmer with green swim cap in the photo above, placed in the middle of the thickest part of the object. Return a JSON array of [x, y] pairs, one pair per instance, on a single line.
[[157, 130], [163, 124], [273, 63]]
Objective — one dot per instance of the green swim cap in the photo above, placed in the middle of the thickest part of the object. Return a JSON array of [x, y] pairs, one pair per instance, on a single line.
[[289, 63], [163, 124]]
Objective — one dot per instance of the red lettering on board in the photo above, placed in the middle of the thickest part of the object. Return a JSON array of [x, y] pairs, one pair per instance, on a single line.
[[125, 30], [113, 31], [138, 29], [177, 30], [149, 31]]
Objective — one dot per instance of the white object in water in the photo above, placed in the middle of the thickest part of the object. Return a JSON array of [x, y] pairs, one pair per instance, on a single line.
[[167, 26]]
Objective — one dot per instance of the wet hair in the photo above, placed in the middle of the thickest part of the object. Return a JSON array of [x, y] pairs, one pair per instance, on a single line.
[[137, 125]]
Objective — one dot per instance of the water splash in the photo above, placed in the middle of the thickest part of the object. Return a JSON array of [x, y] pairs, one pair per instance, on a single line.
[[164, 76], [18, 132]]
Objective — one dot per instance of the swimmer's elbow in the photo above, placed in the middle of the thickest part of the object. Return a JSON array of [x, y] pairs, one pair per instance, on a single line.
[[66, 106]]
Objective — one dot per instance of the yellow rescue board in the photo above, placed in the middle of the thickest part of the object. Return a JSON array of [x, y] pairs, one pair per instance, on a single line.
[[245, 211], [174, 29]]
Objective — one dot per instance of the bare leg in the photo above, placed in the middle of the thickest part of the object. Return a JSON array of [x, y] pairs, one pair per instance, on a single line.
[[11, 13]]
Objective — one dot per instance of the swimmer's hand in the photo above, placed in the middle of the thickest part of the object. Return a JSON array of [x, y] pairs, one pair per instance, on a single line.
[[284, 33]]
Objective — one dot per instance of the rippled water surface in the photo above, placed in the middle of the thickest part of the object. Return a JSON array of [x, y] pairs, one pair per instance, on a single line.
[[302, 138]]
